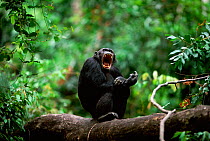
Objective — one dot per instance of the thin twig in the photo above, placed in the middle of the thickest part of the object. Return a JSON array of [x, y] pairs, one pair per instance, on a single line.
[[88, 136], [167, 83], [162, 124]]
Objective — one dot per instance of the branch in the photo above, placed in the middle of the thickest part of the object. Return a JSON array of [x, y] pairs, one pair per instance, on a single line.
[[167, 83], [66, 127], [162, 109]]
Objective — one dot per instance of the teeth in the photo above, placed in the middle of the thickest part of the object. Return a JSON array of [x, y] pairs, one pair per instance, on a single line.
[[107, 61]]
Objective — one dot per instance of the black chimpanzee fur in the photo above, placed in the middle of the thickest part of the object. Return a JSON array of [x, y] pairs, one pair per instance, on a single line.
[[102, 89]]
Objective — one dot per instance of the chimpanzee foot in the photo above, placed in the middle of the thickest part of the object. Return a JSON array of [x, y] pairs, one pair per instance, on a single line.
[[107, 117]]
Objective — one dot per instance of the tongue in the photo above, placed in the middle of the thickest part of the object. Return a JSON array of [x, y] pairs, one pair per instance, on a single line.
[[106, 65]]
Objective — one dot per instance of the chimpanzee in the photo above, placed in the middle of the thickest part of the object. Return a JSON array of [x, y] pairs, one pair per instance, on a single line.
[[102, 89]]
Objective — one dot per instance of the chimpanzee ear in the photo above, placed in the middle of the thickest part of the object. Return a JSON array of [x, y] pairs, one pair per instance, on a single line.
[[96, 55]]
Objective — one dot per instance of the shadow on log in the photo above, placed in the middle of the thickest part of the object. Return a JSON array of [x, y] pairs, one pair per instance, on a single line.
[[66, 127]]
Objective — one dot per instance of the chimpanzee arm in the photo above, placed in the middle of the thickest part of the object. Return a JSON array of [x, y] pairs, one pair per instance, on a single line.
[[127, 82]]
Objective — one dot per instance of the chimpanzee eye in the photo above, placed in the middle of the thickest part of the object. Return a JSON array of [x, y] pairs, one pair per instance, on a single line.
[[109, 50]]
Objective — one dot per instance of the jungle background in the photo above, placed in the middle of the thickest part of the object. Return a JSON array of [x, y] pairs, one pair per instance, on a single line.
[[44, 43]]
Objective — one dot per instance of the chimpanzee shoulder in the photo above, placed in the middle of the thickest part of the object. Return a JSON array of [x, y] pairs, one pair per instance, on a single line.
[[91, 71]]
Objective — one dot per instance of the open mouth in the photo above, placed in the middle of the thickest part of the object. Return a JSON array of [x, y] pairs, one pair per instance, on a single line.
[[107, 61]]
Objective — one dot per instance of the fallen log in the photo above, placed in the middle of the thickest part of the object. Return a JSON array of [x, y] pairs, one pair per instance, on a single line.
[[67, 127]]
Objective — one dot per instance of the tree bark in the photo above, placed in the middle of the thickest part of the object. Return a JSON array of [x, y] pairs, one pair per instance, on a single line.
[[66, 127]]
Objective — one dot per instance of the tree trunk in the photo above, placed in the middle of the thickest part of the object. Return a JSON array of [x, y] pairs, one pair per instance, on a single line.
[[66, 127]]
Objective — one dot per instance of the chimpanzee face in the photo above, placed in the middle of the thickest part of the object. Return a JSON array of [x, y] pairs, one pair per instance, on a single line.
[[106, 57]]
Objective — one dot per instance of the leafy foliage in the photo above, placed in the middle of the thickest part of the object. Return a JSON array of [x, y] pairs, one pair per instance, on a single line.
[[13, 110], [18, 91], [22, 22], [195, 52], [189, 136]]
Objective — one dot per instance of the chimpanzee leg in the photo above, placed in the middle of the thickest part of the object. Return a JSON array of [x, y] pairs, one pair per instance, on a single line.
[[121, 95], [104, 108], [104, 105]]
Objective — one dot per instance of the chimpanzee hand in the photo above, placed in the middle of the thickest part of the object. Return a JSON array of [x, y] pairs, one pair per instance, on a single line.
[[127, 82], [119, 80], [132, 79]]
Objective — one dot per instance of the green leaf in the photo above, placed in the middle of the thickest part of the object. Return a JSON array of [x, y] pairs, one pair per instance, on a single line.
[[1, 104], [167, 35], [12, 19], [177, 58], [72, 29], [208, 54], [189, 51], [178, 41], [177, 134], [183, 61], [145, 76], [171, 38], [206, 136], [207, 27], [175, 51], [180, 66], [5, 120], [173, 57], [195, 55], [185, 56], [155, 74], [184, 48], [18, 97], [182, 136], [30, 99], [206, 34]]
